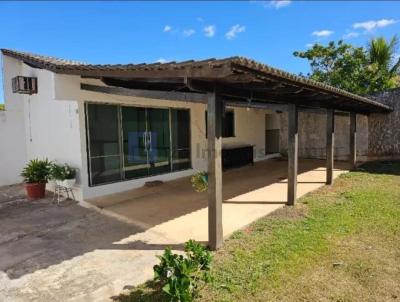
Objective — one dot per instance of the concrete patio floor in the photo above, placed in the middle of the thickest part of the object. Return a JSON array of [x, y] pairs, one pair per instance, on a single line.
[[176, 212], [71, 253]]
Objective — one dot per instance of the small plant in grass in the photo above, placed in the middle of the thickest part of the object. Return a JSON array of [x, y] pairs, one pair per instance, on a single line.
[[181, 276], [199, 181]]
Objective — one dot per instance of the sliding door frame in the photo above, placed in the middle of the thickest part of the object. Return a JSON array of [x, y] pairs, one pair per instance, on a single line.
[[121, 139]]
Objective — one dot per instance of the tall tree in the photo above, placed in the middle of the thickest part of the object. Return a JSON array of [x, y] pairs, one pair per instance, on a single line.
[[355, 69], [383, 62]]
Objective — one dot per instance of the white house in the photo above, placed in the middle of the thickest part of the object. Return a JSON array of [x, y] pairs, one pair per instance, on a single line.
[[121, 126], [117, 142]]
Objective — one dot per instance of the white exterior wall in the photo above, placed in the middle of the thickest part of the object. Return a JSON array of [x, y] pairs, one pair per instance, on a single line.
[[249, 129], [46, 127], [51, 124], [12, 127]]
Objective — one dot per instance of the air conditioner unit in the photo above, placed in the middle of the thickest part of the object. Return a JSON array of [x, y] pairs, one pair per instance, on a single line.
[[24, 85]]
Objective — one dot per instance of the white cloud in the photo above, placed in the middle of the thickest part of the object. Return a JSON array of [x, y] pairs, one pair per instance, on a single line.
[[167, 28], [189, 32], [209, 31], [162, 60], [280, 3], [309, 45], [322, 33], [374, 24], [350, 35], [234, 30]]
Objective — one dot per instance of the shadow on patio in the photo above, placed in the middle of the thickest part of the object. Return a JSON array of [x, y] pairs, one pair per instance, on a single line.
[[47, 249], [174, 210]]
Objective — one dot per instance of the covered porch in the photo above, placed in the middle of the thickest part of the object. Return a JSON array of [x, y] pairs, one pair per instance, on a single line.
[[222, 83], [172, 213]]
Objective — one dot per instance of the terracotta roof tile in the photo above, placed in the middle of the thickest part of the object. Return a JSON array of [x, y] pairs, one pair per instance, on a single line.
[[234, 64]]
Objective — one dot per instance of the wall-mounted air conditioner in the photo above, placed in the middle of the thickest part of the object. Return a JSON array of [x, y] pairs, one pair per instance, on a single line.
[[24, 85]]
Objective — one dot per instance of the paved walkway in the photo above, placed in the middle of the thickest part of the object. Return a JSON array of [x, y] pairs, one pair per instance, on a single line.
[[70, 253]]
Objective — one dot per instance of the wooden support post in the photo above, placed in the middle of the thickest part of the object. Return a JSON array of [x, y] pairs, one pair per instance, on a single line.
[[214, 137], [330, 144], [353, 139], [292, 153]]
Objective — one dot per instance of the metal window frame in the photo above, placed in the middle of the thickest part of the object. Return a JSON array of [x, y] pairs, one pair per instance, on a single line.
[[121, 153]]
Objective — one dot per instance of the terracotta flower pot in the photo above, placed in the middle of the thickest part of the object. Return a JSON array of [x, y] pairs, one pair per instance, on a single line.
[[35, 190]]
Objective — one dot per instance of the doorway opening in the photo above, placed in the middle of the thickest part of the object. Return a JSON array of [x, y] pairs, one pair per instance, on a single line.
[[272, 132]]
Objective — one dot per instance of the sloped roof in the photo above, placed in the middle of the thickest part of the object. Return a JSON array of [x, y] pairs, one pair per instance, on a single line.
[[233, 71]]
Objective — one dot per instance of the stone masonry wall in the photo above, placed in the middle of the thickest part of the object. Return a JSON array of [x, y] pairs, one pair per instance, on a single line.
[[312, 135], [384, 129]]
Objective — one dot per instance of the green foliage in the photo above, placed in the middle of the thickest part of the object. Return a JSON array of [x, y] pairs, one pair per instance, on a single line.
[[180, 276], [36, 171], [199, 182], [58, 172], [290, 255], [383, 62], [356, 69], [2, 107]]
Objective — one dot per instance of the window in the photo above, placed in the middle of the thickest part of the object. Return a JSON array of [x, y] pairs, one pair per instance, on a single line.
[[103, 143], [228, 124], [127, 142]]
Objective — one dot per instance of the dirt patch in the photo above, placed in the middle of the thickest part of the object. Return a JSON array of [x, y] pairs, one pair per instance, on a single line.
[[289, 212]]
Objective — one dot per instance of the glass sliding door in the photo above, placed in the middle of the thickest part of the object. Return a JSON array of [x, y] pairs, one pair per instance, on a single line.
[[158, 140], [103, 143], [180, 130], [135, 142]]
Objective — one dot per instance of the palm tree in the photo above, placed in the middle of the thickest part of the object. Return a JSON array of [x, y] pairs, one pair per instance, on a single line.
[[382, 55]]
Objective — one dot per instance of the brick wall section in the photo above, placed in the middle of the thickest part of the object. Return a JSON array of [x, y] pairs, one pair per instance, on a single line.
[[312, 135], [384, 129]]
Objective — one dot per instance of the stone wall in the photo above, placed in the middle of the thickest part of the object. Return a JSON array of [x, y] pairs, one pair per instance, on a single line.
[[384, 129], [312, 135]]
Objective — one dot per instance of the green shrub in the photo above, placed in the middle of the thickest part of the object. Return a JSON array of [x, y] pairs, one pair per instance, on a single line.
[[181, 276], [199, 182], [58, 172], [36, 171]]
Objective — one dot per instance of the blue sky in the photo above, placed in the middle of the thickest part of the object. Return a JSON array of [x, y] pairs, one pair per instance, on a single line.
[[134, 32]]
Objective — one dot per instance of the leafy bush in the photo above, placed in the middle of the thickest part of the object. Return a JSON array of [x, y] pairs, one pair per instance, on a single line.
[[199, 182], [180, 276], [36, 171], [58, 172]]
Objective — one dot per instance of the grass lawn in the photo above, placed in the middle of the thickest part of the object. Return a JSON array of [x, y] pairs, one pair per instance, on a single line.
[[339, 243]]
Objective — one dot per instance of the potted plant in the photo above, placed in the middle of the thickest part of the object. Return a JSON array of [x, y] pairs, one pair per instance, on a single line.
[[63, 175], [36, 174], [200, 181], [54, 174], [69, 176]]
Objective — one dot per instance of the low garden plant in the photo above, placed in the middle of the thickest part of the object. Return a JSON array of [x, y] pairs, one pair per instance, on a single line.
[[199, 182], [181, 276], [36, 171], [61, 172]]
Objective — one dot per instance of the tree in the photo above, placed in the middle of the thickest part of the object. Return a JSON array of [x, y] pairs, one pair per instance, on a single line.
[[383, 62], [356, 69]]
